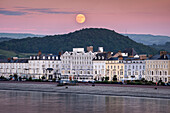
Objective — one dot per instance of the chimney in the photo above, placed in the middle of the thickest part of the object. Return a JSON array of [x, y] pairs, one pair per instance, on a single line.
[[150, 56], [109, 54], [90, 48], [163, 53], [100, 49], [61, 52], [120, 58], [9, 59], [143, 57], [39, 53]]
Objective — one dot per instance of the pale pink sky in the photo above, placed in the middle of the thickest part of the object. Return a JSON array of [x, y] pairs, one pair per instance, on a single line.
[[58, 16]]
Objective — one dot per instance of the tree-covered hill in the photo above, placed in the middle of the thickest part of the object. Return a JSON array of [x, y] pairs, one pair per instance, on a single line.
[[165, 47], [109, 39], [18, 35], [4, 39]]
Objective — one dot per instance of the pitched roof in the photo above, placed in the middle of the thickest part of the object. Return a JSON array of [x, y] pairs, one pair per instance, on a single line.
[[162, 57], [130, 51], [14, 61], [101, 56]]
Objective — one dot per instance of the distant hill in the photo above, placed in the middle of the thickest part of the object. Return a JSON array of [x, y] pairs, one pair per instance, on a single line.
[[109, 39], [149, 39], [8, 54], [165, 47], [4, 39], [18, 35]]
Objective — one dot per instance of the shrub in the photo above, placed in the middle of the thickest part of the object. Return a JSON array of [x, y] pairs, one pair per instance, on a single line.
[[30, 78], [54, 80]]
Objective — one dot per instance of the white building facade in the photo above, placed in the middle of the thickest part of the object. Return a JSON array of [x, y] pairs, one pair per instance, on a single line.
[[77, 65], [48, 66], [14, 68], [35, 67], [134, 69], [99, 66]]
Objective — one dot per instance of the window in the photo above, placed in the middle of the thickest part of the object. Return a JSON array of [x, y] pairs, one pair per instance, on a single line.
[[160, 73], [121, 72], [102, 66], [88, 72]]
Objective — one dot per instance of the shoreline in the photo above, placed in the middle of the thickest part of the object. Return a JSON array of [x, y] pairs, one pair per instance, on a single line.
[[115, 90]]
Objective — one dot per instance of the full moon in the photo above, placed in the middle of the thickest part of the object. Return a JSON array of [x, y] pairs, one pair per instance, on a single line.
[[80, 18]]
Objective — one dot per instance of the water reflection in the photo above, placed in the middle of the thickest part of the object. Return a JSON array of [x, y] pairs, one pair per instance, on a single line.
[[37, 102]]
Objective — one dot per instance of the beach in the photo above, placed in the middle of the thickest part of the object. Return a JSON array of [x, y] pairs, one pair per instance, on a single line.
[[98, 89]]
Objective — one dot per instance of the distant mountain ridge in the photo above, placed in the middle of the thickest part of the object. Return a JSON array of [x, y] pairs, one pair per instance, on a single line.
[[148, 39], [5, 39], [18, 35], [165, 47], [109, 39]]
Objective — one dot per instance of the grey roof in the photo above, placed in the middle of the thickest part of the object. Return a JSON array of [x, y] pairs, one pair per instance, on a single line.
[[46, 57], [158, 57], [130, 51], [113, 58], [14, 61], [100, 55]]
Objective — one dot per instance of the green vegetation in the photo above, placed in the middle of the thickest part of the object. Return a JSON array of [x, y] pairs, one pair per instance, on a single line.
[[6, 54], [149, 39], [4, 39], [131, 82], [18, 35], [110, 40], [9, 54], [165, 47]]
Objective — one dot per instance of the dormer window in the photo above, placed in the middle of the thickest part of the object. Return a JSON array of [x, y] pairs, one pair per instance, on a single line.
[[37, 57], [44, 57], [34, 57], [53, 57], [48, 57], [102, 57], [30, 57], [56, 57]]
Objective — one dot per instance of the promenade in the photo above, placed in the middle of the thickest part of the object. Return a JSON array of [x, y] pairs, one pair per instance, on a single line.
[[98, 89]]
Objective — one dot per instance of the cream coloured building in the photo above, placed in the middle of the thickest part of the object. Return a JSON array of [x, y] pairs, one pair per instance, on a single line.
[[115, 69], [158, 68]]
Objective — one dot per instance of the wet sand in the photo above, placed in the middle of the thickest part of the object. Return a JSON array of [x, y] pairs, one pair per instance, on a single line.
[[98, 89]]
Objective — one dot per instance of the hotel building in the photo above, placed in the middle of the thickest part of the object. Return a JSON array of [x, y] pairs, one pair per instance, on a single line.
[[77, 65], [158, 68]]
